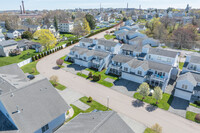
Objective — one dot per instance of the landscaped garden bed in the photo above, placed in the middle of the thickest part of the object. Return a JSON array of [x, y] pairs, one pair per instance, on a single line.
[[164, 103], [58, 86], [30, 68]]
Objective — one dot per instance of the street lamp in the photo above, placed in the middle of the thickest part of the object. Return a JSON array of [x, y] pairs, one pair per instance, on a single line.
[[107, 102]]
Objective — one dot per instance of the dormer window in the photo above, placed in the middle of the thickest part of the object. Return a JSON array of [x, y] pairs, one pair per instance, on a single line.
[[184, 86]]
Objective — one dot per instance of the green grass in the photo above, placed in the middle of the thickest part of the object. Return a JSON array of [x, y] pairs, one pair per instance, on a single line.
[[59, 86], [191, 116], [16, 59], [164, 46], [108, 37], [181, 65], [18, 39], [164, 103], [67, 62], [61, 43], [149, 130], [103, 77], [82, 75], [30, 67], [99, 29], [67, 35], [93, 105], [195, 105]]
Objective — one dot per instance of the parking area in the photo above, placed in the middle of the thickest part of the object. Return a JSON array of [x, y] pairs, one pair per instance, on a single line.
[[179, 106], [126, 87], [73, 68]]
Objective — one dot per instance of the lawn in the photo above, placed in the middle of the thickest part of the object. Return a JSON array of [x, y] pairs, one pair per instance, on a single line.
[[61, 43], [67, 62], [66, 35], [93, 105], [149, 130], [164, 103], [16, 59], [59, 86], [30, 68], [108, 37], [181, 65], [191, 116], [195, 105], [103, 77]]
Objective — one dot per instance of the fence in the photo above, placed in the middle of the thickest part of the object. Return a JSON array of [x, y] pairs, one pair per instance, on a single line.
[[25, 62]]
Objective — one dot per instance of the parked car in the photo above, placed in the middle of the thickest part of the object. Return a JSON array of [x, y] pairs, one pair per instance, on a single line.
[[31, 77]]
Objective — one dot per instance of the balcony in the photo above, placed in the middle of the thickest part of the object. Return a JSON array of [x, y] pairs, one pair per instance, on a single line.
[[97, 62], [157, 78], [116, 67]]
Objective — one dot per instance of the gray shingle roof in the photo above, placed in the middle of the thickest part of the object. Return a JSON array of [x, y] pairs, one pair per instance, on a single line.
[[187, 76], [136, 47], [96, 122], [195, 59], [146, 65], [86, 40], [80, 50], [100, 54], [121, 58], [7, 43], [39, 103], [107, 43], [162, 52]]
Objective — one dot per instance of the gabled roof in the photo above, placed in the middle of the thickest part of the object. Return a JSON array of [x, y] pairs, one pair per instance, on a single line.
[[11, 31], [100, 54], [107, 43], [187, 76], [7, 43], [146, 65], [39, 103], [86, 40], [37, 100], [136, 47], [121, 58], [162, 52], [96, 122]]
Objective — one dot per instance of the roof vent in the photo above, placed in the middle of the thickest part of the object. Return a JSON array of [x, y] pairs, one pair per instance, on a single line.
[[18, 111], [12, 94]]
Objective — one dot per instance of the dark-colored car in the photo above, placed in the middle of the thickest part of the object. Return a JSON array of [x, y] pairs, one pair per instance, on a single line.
[[31, 77]]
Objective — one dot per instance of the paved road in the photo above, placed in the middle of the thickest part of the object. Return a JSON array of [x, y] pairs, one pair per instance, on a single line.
[[171, 123]]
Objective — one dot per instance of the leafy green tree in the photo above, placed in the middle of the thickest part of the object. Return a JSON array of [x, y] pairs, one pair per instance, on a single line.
[[124, 19], [27, 35], [143, 90], [91, 20], [157, 94], [55, 23], [86, 26]]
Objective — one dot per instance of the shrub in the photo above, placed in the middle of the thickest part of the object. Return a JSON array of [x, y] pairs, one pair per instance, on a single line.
[[50, 52], [96, 78], [61, 47], [36, 57], [89, 99], [197, 103], [53, 51], [33, 58], [59, 62], [99, 76], [157, 128], [54, 80], [45, 53], [90, 75], [40, 55], [197, 118]]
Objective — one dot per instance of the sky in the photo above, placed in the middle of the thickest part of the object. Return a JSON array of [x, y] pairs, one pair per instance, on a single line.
[[71, 4]]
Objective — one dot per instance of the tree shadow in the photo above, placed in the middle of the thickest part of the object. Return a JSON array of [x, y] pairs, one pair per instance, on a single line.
[[56, 67], [151, 108], [138, 103]]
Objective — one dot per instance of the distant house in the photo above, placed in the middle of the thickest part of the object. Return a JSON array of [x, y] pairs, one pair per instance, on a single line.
[[33, 28], [21, 31], [12, 34], [37, 46], [65, 26], [22, 45], [52, 29], [7, 46], [2, 37], [96, 122], [129, 23], [29, 106]]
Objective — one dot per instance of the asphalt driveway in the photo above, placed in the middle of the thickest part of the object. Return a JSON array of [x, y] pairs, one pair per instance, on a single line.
[[179, 106]]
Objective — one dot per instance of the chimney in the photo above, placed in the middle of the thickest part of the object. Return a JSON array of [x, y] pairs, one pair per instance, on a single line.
[[21, 10], [23, 7]]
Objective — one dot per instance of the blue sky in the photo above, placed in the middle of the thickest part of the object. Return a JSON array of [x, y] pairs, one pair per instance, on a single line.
[[69, 4]]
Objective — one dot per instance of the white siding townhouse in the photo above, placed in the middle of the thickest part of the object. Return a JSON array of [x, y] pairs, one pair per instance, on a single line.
[[108, 46], [12, 34], [65, 26], [2, 37], [156, 74], [188, 82], [131, 35], [89, 58], [144, 41], [29, 106], [7, 46]]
